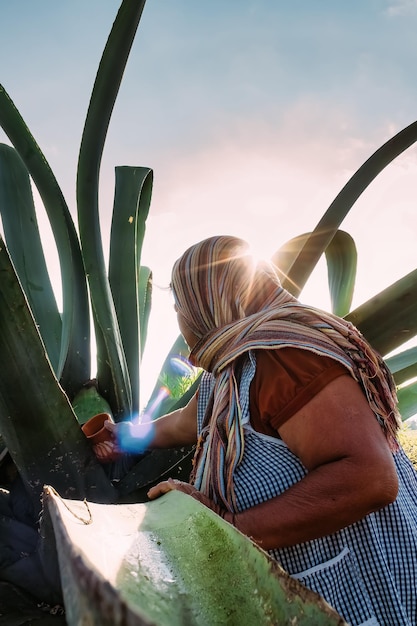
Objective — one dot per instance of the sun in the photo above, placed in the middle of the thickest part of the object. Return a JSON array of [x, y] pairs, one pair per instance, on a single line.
[[259, 251]]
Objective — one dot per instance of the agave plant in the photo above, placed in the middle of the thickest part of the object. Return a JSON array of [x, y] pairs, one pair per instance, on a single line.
[[120, 298], [46, 387], [389, 319]]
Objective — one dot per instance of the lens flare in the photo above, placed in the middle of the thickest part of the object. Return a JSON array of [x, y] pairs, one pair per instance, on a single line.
[[135, 438], [182, 366], [151, 409]]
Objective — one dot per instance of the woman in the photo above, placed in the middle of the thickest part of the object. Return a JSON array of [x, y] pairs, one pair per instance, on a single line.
[[296, 423]]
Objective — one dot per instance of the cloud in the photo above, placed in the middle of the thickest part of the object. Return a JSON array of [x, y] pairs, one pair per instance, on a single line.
[[401, 7]]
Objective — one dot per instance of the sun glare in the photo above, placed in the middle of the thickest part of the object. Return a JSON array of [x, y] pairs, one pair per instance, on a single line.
[[259, 252]]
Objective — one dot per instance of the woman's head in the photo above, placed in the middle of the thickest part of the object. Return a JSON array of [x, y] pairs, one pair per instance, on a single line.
[[216, 282]]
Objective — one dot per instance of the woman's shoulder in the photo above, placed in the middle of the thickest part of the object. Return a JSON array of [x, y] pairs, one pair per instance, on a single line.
[[288, 378], [297, 364]]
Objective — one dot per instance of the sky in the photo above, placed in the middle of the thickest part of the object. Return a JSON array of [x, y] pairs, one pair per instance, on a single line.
[[253, 114]]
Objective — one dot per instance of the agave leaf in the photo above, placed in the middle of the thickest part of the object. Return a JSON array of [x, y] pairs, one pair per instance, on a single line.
[[167, 401], [131, 207], [24, 244], [389, 319], [145, 304], [88, 403], [341, 260], [178, 403], [284, 258], [112, 369], [407, 400], [341, 257], [154, 466], [161, 401], [75, 361], [404, 365], [319, 239], [197, 570], [53, 449]]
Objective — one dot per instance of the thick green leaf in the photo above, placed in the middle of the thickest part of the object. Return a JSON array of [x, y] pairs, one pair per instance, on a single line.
[[341, 257], [131, 207], [186, 396], [24, 244], [36, 418], [389, 319], [145, 304], [284, 258], [75, 360], [172, 562], [307, 258], [407, 400], [154, 466], [161, 400], [403, 365], [112, 369], [88, 403], [341, 260]]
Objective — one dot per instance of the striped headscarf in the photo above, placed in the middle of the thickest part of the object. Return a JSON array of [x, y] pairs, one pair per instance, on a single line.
[[233, 306]]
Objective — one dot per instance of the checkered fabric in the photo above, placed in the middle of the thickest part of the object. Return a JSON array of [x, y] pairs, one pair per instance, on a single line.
[[367, 571]]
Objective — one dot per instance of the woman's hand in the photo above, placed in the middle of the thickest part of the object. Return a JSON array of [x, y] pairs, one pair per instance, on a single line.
[[171, 484], [131, 437]]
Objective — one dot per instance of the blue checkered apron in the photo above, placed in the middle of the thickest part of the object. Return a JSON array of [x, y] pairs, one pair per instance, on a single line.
[[366, 571]]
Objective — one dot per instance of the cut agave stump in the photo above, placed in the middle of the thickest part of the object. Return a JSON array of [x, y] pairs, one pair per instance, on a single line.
[[170, 562]]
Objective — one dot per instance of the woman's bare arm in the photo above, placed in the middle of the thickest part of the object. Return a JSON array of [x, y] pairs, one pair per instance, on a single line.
[[178, 428], [172, 430], [351, 471]]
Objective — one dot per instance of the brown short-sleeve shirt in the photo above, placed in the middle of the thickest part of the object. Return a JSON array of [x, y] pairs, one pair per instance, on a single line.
[[285, 380]]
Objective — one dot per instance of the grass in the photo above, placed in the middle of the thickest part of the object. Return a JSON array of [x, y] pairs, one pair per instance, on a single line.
[[408, 440]]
